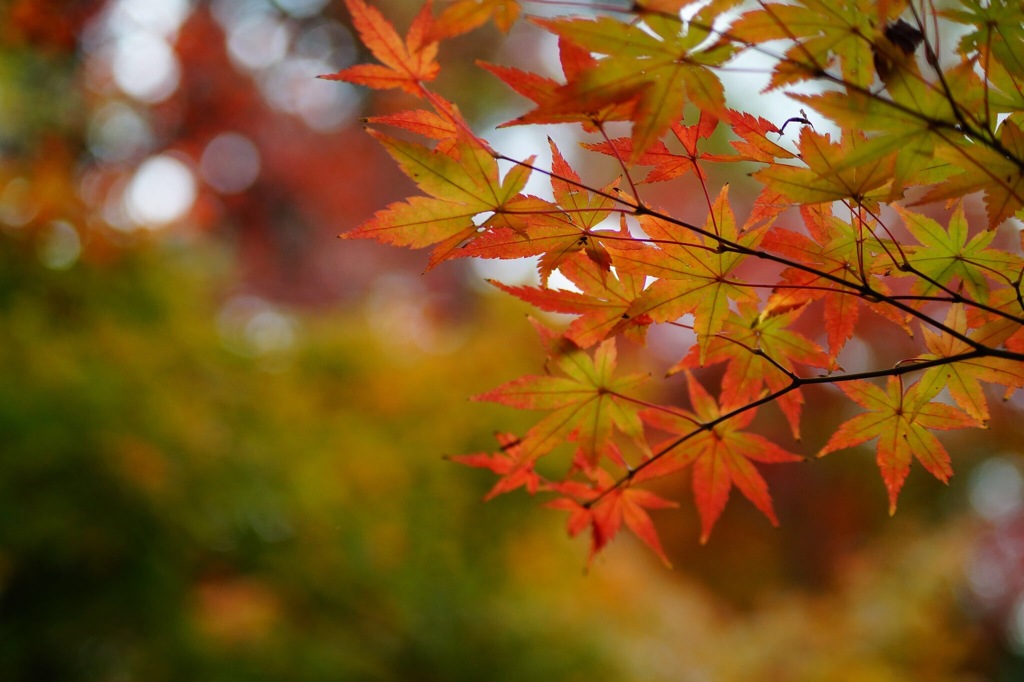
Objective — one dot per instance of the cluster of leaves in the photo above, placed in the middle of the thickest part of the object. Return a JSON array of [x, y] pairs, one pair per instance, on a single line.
[[918, 125]]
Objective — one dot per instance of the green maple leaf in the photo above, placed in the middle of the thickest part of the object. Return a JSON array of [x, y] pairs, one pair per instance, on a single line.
[[998, 174], [823, 31], [915, 118], [998, 31], [586, 403], [946, 255], [902, 423], [461, 182]]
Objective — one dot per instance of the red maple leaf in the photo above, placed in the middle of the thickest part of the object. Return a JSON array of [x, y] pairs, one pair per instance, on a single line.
[[721, 455], [603, 507]]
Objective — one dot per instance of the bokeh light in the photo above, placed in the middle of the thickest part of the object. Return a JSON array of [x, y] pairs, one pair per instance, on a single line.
[[145, 67], [117, 132], [997, 488], [60, 245], [258, 41], [230, 163], [17, 207], [160, 192]]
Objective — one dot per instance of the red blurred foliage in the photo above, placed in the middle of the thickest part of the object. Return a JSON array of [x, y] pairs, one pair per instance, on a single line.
[[312, 186], [52, 26]]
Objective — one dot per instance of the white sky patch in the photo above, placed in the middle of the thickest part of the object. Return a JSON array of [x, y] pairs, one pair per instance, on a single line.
[[746, 76], [521, 142], [515, 272]]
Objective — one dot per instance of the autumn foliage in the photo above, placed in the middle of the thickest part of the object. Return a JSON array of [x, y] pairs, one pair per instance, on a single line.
[[845, 222]]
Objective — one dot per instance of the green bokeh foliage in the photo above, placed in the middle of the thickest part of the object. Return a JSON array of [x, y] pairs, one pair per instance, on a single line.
[[172, 510]]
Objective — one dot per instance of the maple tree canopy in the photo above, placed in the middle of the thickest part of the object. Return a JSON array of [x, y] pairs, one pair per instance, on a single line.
[[897, 132]]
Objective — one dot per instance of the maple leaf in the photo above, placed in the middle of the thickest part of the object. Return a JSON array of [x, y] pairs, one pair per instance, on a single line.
[[406, 64], [601, 304], [754, 144], [720, 455], [998, 32], [918, 118], [507, 463], [603, 509], [998, 173], [827, 177], [667, 164], [693, 274], [463, 16], [902, 422], [445, 124], [426, 123], [656, 71], [945, 255], [963, 378], [675, 6], [1000, 329], [544, 91], [837, 255], [533, 227], [823, 31], [553, 231], [462, 183], [586, 403], [761, 351]]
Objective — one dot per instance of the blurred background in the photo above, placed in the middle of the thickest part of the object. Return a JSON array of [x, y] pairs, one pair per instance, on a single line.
[[222, 430]]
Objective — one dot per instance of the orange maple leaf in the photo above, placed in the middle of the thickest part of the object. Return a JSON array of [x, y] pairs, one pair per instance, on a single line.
[[721, 455], [406, 64], [508, 463], [902, 422], [603, 508], [463, 16]]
